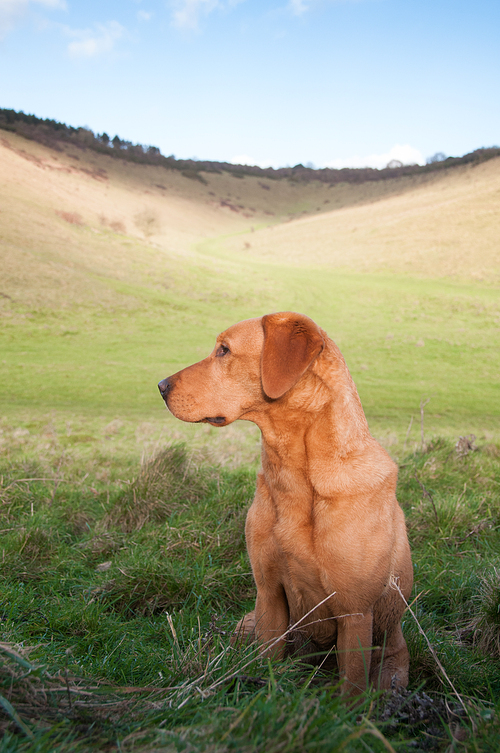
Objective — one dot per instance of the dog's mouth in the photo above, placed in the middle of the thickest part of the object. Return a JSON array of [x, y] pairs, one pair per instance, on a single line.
[[215, 421]]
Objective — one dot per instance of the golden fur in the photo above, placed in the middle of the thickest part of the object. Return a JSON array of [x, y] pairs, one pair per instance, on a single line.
[[325, 533]]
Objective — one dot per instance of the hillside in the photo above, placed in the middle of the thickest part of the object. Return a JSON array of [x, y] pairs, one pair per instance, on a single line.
[[449, 227], [74, 222], [71, 213]]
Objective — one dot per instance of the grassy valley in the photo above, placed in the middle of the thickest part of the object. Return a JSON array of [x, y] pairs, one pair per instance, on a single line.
[[108, 268], [123, 566]]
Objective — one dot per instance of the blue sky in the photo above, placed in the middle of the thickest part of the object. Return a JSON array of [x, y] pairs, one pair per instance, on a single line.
[[327, 82]]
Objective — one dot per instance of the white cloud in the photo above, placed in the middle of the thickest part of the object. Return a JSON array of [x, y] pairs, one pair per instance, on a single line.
[[187, 13], [143, 15], [406, 154], [298, 7], [12, 11], [245, 159], [91, 43]]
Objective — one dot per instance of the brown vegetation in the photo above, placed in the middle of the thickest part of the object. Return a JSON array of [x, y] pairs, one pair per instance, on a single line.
[[54, 134], [72, 217]]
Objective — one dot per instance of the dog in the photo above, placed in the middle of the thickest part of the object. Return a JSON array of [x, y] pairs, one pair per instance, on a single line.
[[325, 534]]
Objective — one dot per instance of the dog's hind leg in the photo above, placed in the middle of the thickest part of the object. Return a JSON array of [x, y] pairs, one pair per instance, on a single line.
[[390, 662], [390, 658]]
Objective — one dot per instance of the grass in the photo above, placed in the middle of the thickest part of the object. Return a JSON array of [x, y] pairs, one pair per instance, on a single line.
[[121, 584], [403, 340]]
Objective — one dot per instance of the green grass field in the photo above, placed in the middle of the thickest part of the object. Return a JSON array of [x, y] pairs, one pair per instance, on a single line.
[[123, 567], [403, 339], [121, 584]]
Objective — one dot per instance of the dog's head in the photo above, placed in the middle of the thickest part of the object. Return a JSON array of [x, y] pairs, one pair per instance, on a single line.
[[254, 363]]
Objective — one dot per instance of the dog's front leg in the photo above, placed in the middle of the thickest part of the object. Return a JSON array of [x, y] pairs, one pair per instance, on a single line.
[[271, 620], [354, 642]]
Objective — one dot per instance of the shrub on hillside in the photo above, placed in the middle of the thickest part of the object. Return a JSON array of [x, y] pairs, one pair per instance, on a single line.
[[53, 134]]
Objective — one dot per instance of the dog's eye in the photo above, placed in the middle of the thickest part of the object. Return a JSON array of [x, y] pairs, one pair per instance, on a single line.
[[222, 350]]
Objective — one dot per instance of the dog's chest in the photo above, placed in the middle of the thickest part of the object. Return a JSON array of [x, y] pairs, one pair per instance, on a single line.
[[295, 543], [310, 606], [294, 522]]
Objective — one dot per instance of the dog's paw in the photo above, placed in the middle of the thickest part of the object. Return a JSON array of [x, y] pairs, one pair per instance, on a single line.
[[245, 629]]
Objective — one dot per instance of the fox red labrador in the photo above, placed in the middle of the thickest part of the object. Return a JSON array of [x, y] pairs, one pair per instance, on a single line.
[[325, 534]]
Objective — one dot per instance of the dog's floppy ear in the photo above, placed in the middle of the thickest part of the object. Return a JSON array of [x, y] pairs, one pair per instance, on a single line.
[[291, 343]]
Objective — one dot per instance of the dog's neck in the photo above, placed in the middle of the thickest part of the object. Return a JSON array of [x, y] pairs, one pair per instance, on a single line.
[[324, 403]]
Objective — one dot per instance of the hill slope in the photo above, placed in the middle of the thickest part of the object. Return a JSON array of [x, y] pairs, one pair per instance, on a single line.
[[114, 274], [74, 221], [449, 227]]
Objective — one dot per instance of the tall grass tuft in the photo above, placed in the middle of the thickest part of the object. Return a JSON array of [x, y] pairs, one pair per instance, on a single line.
[[168, 482], [483, 628]]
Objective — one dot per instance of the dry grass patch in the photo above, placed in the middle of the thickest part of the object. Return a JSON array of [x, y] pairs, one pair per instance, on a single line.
[[148, 222], [483, 628], [118, 226], [74, 218], [169, 481]]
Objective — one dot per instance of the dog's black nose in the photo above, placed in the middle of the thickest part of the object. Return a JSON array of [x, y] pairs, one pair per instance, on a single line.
[[164, 386]]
